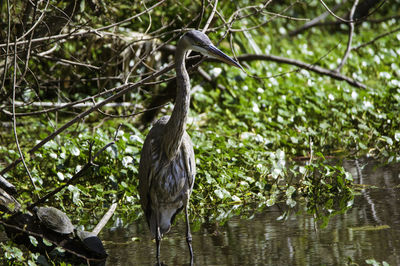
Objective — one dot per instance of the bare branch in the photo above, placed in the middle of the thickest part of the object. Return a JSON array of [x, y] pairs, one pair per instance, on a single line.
[[210, 18], [333, 14], [133, 114], [28, 52], [63, 105], [314, 21], [124, 89], [105, 219], [351, 32], [68, 62], [201, 14], [36, 23], [133, 17], [8, 203], [351, 20], [85, 32], [7, 186], [311, 67], [7, 45], [284, 16], [78, 103], [376, 38], [15, 120]]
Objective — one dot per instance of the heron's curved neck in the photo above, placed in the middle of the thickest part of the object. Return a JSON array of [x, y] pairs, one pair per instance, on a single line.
[[175, 127]]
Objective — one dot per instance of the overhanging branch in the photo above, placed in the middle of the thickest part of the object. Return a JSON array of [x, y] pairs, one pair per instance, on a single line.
[[302, 65]]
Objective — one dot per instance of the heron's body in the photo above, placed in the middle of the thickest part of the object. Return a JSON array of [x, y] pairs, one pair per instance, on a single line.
[[167, 165], [168, 181]]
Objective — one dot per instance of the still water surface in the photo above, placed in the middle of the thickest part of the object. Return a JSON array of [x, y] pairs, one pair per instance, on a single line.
[[264, 240]]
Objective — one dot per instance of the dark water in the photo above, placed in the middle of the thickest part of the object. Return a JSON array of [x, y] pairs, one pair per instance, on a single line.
[[369, 230]]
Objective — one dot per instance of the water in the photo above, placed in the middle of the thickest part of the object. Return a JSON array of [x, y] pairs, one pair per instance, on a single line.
[[369, 230]]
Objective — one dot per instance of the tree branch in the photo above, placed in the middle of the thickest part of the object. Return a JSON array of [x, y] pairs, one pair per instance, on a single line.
[[314, 21], [105, 219], [15, 120], [7, 46], [123, 90], [351, 20], [376, 38], [303, 65], [85, 32], [351, 32], [36, 23]]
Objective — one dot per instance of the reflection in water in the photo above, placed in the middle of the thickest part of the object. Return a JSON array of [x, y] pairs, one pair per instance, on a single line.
[[263, 240]]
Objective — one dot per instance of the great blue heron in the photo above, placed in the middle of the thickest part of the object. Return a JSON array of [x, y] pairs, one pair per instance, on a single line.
[[167, 166]]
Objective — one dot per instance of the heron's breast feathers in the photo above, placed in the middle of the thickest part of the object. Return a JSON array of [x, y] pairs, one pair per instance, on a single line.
[[171, 178]]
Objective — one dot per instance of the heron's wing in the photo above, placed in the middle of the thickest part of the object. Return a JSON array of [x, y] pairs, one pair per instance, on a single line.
[[190, 164], [149, 161], [145, 174]]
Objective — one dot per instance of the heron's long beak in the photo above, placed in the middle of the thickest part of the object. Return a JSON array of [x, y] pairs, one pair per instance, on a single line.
[[218, 54]]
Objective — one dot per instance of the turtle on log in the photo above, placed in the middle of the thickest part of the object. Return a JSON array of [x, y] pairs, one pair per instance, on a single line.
[[54, 219]]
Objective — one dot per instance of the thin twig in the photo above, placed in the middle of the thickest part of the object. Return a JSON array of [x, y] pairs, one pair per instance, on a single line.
[[123, 90], [85, 32], [337, 22], [144, 57], [351, 20], [376, 38], [68, 62], [36, 24], [210, 18], [7, 45], [63, 105], [303, 65], [133, 114], [150, 19], [351, 32], [201, 14], [133, 17], [333, 14], [28, 52], [236, 17], [15, 120], [51, 50], [284, 16], [79, 103], [314, 21]]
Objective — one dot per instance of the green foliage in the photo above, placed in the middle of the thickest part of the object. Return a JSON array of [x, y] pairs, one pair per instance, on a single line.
[[12, 255], [327, 190], [58, 161], [376, 263]]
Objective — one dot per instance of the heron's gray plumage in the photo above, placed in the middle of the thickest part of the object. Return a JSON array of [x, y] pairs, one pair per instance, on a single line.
[[164, 183], [167, 166]]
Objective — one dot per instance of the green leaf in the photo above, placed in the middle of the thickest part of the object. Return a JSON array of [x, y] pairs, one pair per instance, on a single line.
[[46, 242], [33, 241]]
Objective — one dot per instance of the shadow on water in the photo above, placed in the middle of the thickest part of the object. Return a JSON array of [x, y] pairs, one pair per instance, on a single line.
[[369, 230]]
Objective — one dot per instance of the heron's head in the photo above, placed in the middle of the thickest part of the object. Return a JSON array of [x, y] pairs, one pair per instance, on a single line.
[[197, 41]]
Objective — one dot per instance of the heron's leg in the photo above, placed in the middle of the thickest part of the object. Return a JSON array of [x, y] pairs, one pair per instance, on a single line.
[[188, 234], [158, 241]]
